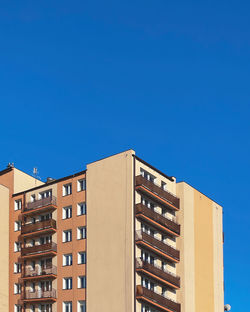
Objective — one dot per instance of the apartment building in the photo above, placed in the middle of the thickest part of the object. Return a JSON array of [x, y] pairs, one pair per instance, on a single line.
[[118, 236]]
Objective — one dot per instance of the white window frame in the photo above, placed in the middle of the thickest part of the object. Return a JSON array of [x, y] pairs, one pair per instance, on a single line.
[[65, 257], [67, 189], [79, 281], [17, 226], [79, 257], [81, 232], [18, 308], [67, 236], [79, 303], [64, 212], [67, 283], [17, 288], [17, 246], [17, 267], [81, 207], [81, 185], [67, 306], [18, 204]]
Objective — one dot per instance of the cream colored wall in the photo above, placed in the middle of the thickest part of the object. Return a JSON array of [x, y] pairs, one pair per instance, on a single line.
[[4, 243], [186, 267], [23, 181], [218, 258], [110, 239], [200, 244]]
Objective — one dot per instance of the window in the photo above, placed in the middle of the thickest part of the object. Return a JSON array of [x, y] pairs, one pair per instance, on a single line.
[[67, 283], [81, 282], [67, 212], [81, 209], [148, 203], [33, 198], [17, 226], [164, 185], [18, 308], [17, 267], [17, 246], [18, 204], [67, 189], [81, 232], [17, 289], [32, 287], [67, 236], [67, 259], [67, 306], [33, 265], [33, 308], [147, 175], [81, 257], [81, 306], [45, 307], [45, 194], [81, 185]]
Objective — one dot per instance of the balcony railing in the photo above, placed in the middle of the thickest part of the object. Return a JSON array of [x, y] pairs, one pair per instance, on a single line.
[[157, 244], [162, 302], [174, 201], [168, 276], [40, 203], [38, 226], [39, 249], [39, 271], [169, 224], [39, 294]]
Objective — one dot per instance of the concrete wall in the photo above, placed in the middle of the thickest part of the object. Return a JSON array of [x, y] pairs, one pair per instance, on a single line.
[[23, 181], [201, 246], [110, 239]]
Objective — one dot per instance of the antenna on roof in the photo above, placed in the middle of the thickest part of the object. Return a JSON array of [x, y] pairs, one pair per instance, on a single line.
[[35, 174]]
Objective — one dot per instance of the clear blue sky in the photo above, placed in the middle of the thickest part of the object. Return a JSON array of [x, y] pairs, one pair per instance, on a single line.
[[81, 80]]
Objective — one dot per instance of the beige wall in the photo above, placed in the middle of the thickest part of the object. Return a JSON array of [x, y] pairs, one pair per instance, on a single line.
[[201, 266], [23, 181], [110, 240], [4, 243]]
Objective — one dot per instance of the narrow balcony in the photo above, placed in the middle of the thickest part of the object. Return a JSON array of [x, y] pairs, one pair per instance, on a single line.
[[157, 301], [39, 296], [39, 206], [157, 273], [39, 273], [157, 193], [155, 245], [157, 220], [38, 228], [39, 250]]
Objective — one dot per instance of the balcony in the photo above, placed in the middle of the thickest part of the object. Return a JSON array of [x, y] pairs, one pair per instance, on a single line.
[[39, 250], [40, 206], [156, 272], [157, 193], [157, 220], [39, 295], [155, 245], [39, 272], [38, 228], [156, 300]]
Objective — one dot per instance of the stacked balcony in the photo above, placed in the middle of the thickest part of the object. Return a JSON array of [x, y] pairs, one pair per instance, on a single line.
[[39, 296], [157, 301], [157, 193], [157, 273], [48, 249], [157, 220], [38, 273], [38, 228], [157, 246], [47, 204]]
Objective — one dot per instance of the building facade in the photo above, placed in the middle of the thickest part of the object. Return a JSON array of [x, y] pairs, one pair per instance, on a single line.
[[118, 236]]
